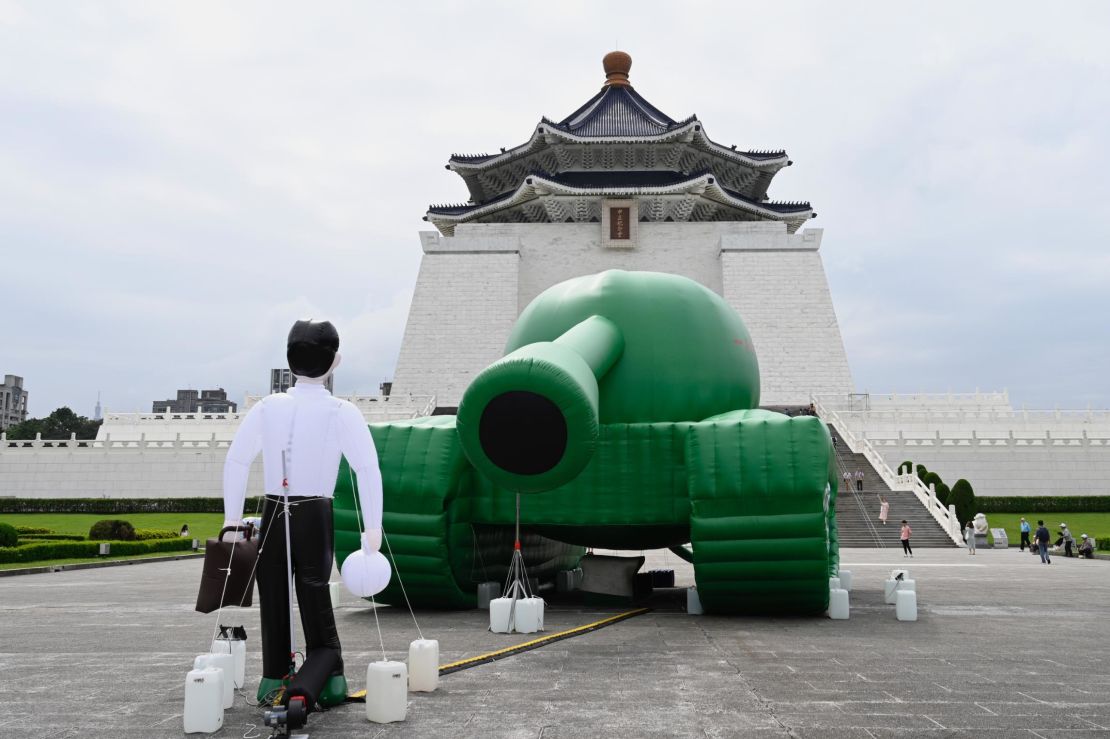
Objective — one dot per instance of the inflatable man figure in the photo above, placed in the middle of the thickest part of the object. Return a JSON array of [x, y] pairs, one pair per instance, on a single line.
[[302, 434]]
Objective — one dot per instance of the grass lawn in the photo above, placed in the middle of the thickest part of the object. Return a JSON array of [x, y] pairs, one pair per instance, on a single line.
[[201, 525], [1096, 525]]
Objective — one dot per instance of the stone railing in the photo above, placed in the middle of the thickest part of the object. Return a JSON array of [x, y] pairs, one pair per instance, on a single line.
[[1016, 419], [951, 401], [161, 417], [927, 496], [179, 441], [1010, 438], [379, 407]]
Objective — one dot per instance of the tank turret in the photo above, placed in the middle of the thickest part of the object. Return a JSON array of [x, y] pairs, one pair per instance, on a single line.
[[616, 347]]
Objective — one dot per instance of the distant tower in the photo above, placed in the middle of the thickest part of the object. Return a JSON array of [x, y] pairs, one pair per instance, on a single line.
[[618, 184], [97, 414]]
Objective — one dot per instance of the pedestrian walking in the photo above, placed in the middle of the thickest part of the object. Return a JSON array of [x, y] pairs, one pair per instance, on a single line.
[[907, 532], [859, 480], [1042, 537], [969, 537], [847, 476], [1025, 534], [884, 509]]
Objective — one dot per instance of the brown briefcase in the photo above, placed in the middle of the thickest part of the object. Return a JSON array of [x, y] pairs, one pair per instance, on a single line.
[[219, 555]]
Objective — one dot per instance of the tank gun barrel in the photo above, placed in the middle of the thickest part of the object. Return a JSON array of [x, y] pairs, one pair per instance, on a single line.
[[529, 421]]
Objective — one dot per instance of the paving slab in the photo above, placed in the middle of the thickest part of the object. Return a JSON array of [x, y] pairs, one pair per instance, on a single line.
[[1003, 646]]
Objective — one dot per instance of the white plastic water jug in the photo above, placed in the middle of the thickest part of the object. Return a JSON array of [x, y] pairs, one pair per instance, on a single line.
[[838, 604], [204, 701], [910, 585], [487, 591], [528, 618], [890, 587], [834, 583], [387, 692], [693, 602], [237, 648], [905, 606], [424, 665], [333, 590], [500, 609], [225, 663], [846, 580]]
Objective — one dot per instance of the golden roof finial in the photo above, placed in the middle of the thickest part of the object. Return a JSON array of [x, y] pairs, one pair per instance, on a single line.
[[617, 64]]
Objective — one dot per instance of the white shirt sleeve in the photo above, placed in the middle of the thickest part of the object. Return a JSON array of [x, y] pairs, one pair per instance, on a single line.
[[237, 467], [358, 447]]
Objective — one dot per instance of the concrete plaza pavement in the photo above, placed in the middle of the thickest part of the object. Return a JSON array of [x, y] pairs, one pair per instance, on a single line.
[[1004, 646]]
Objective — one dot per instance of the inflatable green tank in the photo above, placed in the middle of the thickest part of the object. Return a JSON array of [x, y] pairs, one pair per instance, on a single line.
[[624, 413]]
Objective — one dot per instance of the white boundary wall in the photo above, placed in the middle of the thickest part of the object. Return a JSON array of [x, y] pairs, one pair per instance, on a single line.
[[152, 455], [980, 437]]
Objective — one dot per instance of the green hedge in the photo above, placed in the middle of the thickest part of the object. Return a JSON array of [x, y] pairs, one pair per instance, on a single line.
[[51, 537], [1044, 504], [118, 505], [76, 549], [32, 530], [148, 534], [1103, 544]]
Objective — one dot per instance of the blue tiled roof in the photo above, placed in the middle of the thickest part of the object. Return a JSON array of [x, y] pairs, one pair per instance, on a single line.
[[607, 179], [617, 111]]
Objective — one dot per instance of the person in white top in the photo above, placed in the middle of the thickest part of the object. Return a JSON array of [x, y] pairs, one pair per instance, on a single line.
[[302, 434]]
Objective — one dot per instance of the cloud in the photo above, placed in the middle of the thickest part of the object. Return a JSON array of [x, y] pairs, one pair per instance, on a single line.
[[179, 182]]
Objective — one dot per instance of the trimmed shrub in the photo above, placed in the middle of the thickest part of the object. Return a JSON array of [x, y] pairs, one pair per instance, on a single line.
[[77, 549], [1103, 544], [1045, 504], [32, 530], [921, 472], [9, 537], [932, 478], [148, 534], [906, 468], [963, 497], [944, 494], [112, 529], [111, 506]]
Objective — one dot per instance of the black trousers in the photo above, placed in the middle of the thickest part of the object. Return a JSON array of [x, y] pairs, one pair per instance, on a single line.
[[311, 536], [859, 484], [1025, 540], [906, 546]]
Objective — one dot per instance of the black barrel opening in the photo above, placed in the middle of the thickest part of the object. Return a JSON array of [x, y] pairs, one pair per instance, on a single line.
[[523, 432]]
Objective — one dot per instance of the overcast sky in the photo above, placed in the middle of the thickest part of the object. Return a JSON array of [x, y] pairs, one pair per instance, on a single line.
[[180, 181]]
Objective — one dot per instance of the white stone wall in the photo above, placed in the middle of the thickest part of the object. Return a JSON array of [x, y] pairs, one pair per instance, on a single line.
[[1023, 467], [780, 290], [999, 450], [774, 279], [463, 307], [117, 472]]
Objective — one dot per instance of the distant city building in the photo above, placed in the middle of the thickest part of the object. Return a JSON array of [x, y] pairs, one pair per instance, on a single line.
[[283, 379], [98, 413], [196, 401], [13, 402]]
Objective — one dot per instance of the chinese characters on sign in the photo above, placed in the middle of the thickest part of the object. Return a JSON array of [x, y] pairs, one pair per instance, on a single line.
[[618, 224], [619, 220]]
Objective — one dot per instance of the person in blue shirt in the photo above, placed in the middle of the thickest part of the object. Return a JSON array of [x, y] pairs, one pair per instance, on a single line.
[[1043, 537], [1025, 535]]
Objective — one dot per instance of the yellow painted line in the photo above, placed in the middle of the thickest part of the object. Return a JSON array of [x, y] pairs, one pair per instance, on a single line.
[[361, 694], [545, 638]]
